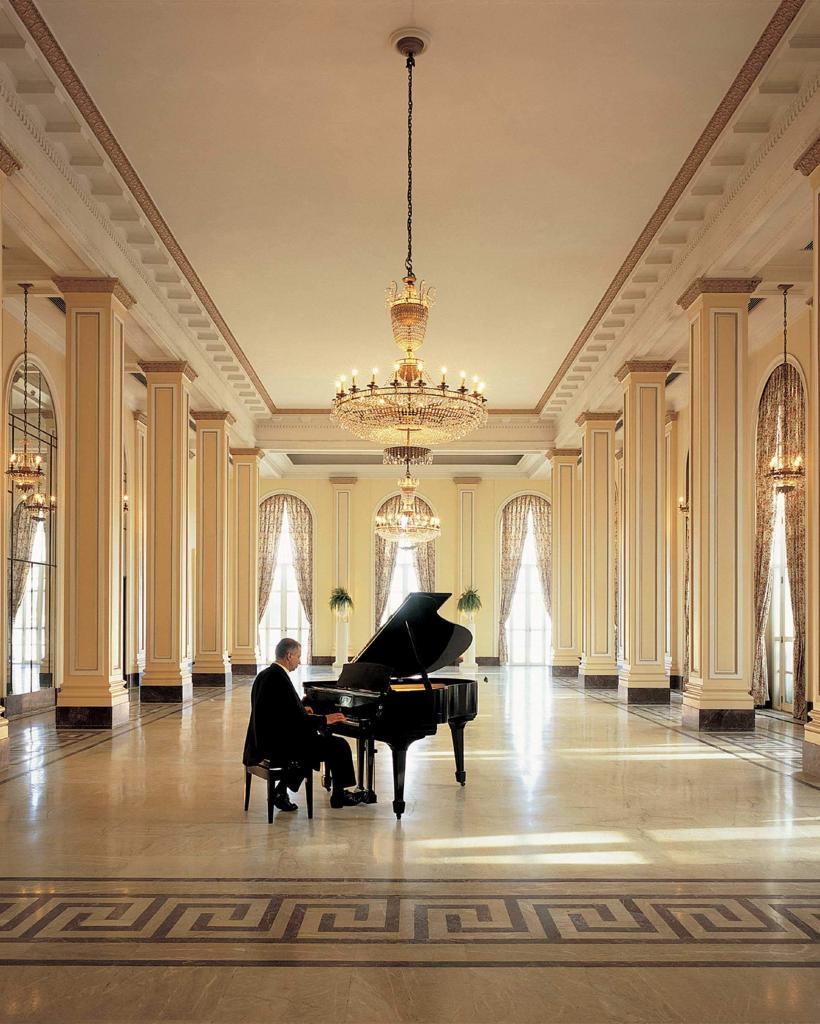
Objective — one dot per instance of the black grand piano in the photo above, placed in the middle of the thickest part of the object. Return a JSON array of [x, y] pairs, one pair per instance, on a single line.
[[387, 695]]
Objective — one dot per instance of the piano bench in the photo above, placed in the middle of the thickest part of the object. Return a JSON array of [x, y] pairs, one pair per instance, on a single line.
[[272, 775]]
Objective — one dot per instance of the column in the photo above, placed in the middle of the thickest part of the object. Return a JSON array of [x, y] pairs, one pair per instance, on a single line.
[[809, 164], [245, 583], [566, 567], [167, 675], [643, 678], [466, 496], [674, 562], [8, 165], [342, 519], [136, 518], [212, 666], [598, 668], [720, 635], [93, 694], [619, 542]]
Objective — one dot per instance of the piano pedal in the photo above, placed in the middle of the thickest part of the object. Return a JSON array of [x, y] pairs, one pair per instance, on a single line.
[[368, 796]]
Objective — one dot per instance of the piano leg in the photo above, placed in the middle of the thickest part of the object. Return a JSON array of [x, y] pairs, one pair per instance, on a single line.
[[371, 761], [360, 759], [399, 763], [457, 730]]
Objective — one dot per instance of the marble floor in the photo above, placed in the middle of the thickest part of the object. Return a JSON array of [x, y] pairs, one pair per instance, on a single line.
[[602, 864]]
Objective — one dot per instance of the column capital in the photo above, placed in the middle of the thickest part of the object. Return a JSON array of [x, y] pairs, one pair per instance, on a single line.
[[140, 417], [717, 286], [563, 453], [212, 416], [8, 161], [95, 286], [671, 416], [656, 367], [809, 159], [598, 417], [168, 366], [343, 481], [246, 454], [466, 481]]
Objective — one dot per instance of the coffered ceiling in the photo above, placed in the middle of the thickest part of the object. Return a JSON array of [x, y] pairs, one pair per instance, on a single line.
[[270, 136]]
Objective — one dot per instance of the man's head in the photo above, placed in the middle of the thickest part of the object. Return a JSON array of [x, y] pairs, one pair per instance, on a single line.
[[289, 653]]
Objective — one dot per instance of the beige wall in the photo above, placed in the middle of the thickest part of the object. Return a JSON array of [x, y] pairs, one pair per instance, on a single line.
[[367, 496]]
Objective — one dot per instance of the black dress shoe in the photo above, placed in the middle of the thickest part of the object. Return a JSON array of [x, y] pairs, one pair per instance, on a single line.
[[282, 801], [345, 799]]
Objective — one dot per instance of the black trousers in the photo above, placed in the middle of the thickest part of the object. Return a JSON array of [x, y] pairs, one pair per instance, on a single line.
[[336, 753]]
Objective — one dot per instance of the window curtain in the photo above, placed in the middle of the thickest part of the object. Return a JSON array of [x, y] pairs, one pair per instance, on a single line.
[[513, 533], [542, 527], [301, 536], [793, 428], [23, 529], [271, 512], [424, 555], [385, 560]]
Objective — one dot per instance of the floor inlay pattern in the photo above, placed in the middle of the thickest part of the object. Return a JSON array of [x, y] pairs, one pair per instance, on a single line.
[[425, 923]]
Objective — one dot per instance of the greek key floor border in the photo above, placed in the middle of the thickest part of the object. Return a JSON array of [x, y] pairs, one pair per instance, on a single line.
[[410, 923]]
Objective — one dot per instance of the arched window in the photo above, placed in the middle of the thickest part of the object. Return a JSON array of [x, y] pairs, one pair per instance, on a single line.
[[780, 550], [32, 543], [401, 570], [285, 573], [525, 626]]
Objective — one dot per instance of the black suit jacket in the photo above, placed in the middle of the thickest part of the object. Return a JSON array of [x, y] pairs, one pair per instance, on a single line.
[[279, 728]]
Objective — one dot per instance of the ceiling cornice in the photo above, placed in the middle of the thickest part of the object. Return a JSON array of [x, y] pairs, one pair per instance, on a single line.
[[168, 366], [644, 366], [809, 158], [597, 417], [717, 286], [36, 25], [745, 78], [95, 285]]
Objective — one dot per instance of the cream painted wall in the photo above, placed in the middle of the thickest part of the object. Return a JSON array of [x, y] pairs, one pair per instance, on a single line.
[[367, 496]]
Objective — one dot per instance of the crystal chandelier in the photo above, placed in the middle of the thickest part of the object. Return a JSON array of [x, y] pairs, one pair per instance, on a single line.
[[786, 470], [25, 468], [409, 524], [409, 412], [38, 505]]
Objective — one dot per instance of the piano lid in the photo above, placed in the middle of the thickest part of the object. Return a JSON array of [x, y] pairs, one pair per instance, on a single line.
[[438, 641]]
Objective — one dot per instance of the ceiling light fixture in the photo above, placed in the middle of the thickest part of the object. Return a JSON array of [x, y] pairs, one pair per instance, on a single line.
[[786, 470], [409, 524], [410, 412], [25, 468]]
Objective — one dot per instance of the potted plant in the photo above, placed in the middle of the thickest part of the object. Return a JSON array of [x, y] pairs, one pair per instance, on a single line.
[[341, 604], [468, 604]]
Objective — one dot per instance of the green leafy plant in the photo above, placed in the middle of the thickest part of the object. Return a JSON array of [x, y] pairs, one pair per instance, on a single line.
[[469, 603], [341, 603]]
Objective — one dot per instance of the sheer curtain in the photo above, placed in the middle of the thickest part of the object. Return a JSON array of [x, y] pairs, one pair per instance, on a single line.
[[385, 554], [513, 534], [23, 528], [271, 512], [542, 527], [424, 555], [301, 536], [793, 426]]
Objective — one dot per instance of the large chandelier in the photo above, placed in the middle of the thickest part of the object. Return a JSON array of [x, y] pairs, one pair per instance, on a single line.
[[786, 469], [25, 468], [409, 412], [409, 524]]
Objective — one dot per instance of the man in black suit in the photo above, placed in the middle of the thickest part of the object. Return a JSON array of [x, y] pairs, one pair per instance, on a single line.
[[282, 730]]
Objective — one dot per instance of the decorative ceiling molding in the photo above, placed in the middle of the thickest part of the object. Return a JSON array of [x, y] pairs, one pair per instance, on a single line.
[[717, 286], [745, 78], [168, 366], [809, 159], [95, 285], [36, 25], [8, 161], [598, 417]]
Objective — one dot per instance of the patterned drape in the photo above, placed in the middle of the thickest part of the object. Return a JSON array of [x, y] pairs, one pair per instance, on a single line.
[[385, 560], [424, 555], [301, 537], [271, 512], [513, 533], [23, 528], [783, 392], [542, 527]]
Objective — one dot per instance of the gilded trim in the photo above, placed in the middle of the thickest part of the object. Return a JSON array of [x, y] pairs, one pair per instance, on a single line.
[[644, 366], [598, 417], [809, 159], [95, 285], [717, 286], [8, 161]]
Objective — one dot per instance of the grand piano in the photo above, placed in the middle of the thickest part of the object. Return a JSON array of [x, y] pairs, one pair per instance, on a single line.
[[387, 695]]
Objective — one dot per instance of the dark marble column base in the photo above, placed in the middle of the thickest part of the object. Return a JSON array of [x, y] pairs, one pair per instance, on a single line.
[[718, 719], [91, 718], [676, 682], [211, 679], [244, 670], [132, 679], [644, 694], [150, 694], [598, 682], [564, 670], [18, 704], [489, 660]]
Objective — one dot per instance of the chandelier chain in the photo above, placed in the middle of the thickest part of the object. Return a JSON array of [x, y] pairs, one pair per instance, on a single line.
[[25, 288], [785, 289], [408, 263]]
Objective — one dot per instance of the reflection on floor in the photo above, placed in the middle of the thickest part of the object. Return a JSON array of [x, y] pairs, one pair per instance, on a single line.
[[601, 864]]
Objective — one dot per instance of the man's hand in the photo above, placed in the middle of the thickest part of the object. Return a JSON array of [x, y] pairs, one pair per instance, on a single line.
[[335, 717], [309, 709]]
